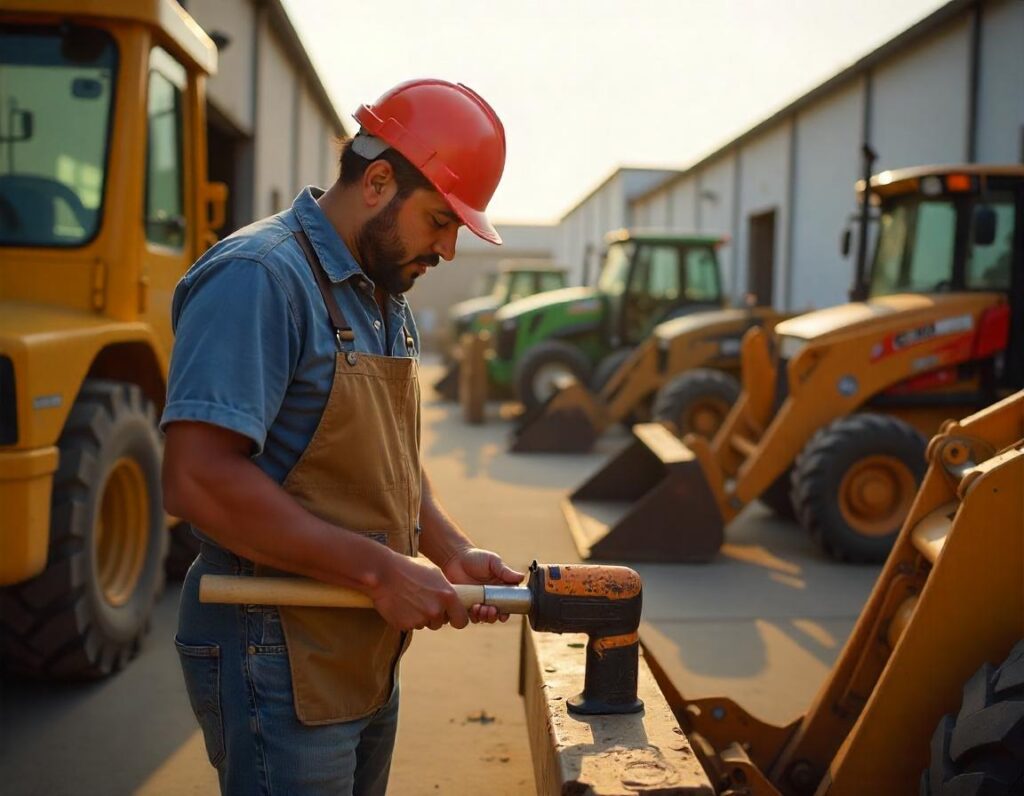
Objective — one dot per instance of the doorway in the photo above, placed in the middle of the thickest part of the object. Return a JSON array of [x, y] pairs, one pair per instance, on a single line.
[[761, 257], [224, 153]]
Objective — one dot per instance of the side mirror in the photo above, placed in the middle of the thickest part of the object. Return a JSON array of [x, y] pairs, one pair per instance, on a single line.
[[21, 127], [845, 242], [984, 225]]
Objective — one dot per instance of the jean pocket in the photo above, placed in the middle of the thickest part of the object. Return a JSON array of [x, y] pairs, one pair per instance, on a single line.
[[201, 667], [270, 635]]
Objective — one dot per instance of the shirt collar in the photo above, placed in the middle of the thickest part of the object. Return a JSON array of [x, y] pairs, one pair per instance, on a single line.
[[337, 260]]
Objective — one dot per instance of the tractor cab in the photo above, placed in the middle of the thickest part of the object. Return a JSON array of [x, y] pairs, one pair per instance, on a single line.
[[649, 277]]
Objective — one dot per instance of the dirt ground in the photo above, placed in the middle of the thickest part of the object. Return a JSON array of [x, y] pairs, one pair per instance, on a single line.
[[763, 624]]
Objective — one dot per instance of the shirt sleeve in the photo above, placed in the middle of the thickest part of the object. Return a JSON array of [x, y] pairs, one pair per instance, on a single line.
[[237, 344]]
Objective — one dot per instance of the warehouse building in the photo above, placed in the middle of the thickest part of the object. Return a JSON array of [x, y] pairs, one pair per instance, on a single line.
[[949, 89], [272, 126]]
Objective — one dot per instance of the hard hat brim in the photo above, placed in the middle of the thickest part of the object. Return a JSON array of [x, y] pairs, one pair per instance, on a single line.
[[477, 222]]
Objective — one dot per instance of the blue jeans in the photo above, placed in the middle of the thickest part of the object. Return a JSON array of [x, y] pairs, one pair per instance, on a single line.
[[239, 684]]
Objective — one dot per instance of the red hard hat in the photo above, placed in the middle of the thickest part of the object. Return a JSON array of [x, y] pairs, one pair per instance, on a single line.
[[451, 135]]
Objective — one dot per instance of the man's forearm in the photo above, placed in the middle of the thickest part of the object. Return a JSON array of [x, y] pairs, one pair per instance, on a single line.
[[440, 538], [239, 506]]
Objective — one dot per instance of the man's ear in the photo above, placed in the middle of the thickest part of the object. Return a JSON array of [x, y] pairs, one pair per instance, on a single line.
[[378, 183]]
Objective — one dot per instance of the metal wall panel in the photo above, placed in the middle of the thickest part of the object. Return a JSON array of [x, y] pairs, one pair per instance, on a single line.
[[231, 89], [275, 186], [764, 176], [716, 213], [1000, 127], [920, 100], [827, 166]]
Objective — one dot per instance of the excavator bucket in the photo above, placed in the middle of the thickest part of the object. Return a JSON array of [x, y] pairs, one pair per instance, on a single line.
[[568, 422], [651, 502], [447, 387]]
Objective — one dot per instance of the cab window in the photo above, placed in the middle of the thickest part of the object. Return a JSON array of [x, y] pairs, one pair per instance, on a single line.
[[522, 286], [165, 206], [657, 273], [551, 281], [701, 275], [56, 101], [931, 258], [988, 266]]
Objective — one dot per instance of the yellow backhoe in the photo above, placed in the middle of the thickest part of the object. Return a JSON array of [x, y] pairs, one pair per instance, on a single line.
[[837, 404], [104, 203], [686, 372], [927, 696]]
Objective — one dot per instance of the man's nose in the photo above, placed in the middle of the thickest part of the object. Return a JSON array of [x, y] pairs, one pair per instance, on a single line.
[[444, 246]]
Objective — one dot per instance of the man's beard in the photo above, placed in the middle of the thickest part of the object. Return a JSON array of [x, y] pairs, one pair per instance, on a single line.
[[383, 257]]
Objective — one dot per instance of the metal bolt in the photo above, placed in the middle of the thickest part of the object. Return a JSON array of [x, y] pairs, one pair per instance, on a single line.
[[350, 357]]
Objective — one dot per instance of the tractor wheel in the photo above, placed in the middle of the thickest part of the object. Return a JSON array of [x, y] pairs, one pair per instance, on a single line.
[[779, 496], [84, 616], [539, 369], [697, 401], [608, 367], [854, 483], [981, 751], [183, 549]]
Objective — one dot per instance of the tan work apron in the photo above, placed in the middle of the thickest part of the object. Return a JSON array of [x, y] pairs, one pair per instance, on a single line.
[[361, 471]]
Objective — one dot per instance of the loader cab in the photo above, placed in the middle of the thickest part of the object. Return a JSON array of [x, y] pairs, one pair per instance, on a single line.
[[104, 201], [650, 278], [956, 231]]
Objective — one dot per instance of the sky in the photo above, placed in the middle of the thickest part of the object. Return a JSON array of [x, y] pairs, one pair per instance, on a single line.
[[586, 86]]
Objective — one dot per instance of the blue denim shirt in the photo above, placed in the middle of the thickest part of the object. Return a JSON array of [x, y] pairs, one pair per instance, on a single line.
[[254, 350]]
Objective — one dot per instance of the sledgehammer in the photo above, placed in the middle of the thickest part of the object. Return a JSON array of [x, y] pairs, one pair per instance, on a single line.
[[602, 601]]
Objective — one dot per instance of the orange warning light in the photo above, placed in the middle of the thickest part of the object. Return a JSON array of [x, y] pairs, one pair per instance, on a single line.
[[958, 182]]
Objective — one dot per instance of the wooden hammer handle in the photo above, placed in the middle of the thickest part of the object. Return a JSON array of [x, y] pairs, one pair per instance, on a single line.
[[244, 590]]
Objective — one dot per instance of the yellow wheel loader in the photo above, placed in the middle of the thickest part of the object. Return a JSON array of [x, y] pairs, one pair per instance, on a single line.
[[104, 204], [927, 696], [686, 372], [838, 402]]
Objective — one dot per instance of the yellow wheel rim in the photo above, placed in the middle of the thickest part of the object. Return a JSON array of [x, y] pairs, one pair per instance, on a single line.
[[704, 416], [875, 495], [122, 531]]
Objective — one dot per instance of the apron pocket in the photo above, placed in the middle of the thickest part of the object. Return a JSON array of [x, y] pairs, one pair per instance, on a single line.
[[201, 667]]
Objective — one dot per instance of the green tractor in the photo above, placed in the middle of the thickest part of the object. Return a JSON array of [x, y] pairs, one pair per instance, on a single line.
[[588, 332], [515, 279]]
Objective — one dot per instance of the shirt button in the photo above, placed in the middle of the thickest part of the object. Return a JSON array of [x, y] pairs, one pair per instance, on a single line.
[[376, 325]]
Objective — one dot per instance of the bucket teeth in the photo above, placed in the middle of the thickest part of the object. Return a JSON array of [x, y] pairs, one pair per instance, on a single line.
[[568, 422], [651, 502]]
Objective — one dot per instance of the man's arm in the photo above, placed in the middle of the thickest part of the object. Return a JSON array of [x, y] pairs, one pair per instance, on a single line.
[[209, 479], [444, 543]]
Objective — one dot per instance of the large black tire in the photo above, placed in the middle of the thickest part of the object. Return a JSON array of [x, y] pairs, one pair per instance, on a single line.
[[697, 402], [84, 616], [854, 482], [981, 751], [538, 365], [779, 496], [608, 367]]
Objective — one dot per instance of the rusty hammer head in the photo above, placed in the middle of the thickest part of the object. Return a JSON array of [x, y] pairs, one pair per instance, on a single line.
[[605, 603]]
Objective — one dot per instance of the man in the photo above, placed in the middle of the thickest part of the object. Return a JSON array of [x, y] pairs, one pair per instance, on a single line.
[[292, 444]]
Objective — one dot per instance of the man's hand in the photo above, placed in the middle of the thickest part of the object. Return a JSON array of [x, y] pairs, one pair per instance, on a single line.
[[473, 565], [414, 594]]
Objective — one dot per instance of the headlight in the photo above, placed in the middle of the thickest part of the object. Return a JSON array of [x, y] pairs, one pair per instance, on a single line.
[[508, 324], [789, 347]]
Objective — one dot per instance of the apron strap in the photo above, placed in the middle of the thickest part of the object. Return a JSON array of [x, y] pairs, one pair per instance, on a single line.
[[342, 330]]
